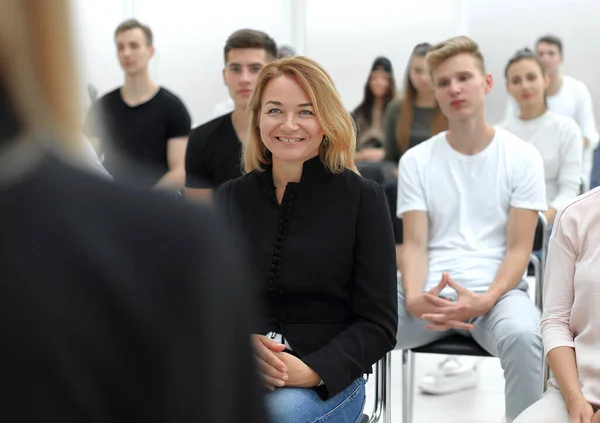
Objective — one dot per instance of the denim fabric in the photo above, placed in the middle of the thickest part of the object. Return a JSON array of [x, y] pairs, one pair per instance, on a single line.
[[301, 405]]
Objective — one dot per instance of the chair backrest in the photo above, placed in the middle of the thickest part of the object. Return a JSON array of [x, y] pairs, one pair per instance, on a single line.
[[391, 191], [371, 171], [538, 240]]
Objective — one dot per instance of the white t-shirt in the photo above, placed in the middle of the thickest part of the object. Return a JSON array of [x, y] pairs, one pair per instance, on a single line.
[[573, 99], [468, 199], [558, 139]]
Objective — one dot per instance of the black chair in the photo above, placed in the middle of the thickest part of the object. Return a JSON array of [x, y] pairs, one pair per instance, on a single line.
[[381, 408], [391, 191], [371, 171], [458, 344]]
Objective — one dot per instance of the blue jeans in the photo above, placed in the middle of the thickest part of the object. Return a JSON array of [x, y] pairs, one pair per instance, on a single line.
[[302, 405]]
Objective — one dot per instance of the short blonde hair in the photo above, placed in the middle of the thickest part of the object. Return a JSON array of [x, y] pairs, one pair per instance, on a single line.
[[37, 69], [338, 153], [443, 51]]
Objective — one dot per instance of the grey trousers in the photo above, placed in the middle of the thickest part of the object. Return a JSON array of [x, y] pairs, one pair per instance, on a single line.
[[510, 331]]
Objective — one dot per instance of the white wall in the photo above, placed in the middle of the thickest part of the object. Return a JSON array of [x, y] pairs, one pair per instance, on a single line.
[[343, 35], [94, 23], [503, 26], [189, 40], [189, 37]]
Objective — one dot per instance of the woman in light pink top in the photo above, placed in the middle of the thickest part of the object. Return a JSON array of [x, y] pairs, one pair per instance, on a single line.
[[571, 318]]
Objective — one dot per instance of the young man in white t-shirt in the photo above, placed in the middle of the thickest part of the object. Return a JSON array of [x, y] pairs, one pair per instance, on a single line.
[[469, 199], [566, 96]]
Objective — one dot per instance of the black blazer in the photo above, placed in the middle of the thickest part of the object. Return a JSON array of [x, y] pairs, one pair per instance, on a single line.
[[324, 262], [112, 306]]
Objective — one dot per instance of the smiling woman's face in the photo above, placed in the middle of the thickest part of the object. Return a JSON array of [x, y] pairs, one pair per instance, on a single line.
[[288, 125]]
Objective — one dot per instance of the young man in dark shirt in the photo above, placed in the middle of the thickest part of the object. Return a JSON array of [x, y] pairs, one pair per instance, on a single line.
[[142, 127], [214, 150]]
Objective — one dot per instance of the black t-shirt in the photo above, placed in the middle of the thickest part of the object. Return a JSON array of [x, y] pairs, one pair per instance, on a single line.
[[119, 305], [135, 138], [213, 154]]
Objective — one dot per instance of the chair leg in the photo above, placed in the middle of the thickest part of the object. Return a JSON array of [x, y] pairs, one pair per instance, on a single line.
[[383, 389], [387, 388], [546, 374], [379, 392], [539, 282], [408, 376]]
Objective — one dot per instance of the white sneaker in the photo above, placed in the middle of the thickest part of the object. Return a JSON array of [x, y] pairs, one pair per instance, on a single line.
[[452, 375]]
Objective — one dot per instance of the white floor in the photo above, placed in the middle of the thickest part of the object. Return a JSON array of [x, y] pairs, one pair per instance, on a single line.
[[483, 404]]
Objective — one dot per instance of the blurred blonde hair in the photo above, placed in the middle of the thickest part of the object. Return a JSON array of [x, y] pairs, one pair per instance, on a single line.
[[338, 153], [443, 51], [37, 69]]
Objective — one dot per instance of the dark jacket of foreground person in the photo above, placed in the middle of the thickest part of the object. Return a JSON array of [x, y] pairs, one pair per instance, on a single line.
[[116, 305]]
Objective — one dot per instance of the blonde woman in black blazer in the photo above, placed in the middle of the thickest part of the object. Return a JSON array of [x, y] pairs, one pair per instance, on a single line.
[[320, 242]]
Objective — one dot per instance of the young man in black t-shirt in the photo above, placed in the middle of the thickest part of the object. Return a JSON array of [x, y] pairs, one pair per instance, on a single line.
[[214, 150], [142, 127]]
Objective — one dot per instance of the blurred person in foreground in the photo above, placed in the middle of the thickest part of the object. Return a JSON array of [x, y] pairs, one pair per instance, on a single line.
[[111, 299]]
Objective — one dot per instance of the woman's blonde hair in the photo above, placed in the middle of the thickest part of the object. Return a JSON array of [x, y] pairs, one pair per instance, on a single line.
[[443, 51], [337, 152], [37, 69]]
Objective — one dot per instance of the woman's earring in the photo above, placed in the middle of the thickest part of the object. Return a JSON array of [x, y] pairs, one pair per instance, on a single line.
[[325, 140]]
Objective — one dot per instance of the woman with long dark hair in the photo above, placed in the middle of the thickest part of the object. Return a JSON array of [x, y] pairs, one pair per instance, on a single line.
[[380, 90], [415, 116]]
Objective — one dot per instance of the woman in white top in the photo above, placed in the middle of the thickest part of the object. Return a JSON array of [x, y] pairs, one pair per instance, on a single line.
[[557, 137]]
